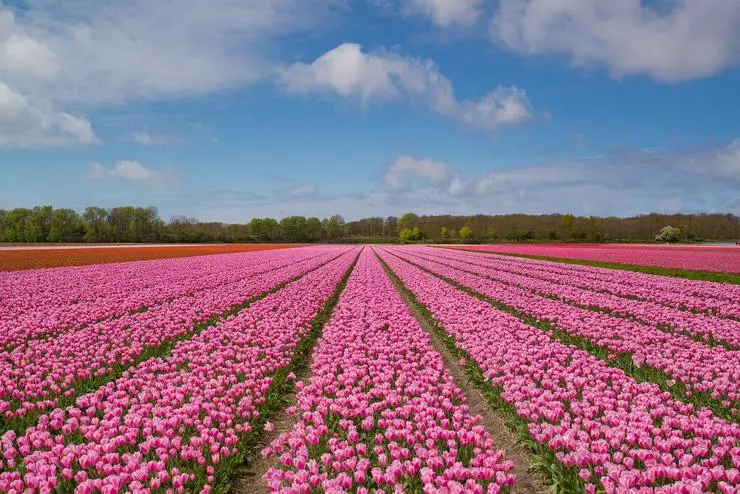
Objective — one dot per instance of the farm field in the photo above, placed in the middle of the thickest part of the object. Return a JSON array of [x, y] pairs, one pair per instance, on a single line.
[[366, 368], [711, 258], [17, 258]]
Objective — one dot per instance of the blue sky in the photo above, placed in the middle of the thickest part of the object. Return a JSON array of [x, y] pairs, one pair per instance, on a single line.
[[227, 110]]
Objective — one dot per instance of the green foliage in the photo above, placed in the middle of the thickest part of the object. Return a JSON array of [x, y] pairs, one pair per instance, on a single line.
[[411, 235], [334, 227], [466, 233], [408, 220], [668, 234], [443, 232]]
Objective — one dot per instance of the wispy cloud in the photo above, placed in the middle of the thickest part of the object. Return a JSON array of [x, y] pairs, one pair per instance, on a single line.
[[443, 13], [136, 172], [143, 138], [349, 72], [25, 124], [82, 54]]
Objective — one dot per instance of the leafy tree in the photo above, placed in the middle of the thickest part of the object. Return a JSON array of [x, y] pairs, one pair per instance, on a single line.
[[38, 224], [313, 229], [466, 233], [668, 234], [443, 232], [66, 226], [15, 225], [96, 224], [408, 220], [334, 227], [294, 228], [264, 228]]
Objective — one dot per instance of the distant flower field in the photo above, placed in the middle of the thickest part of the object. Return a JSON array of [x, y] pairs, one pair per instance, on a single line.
[[35, 257], [716, 258], [366, 369]]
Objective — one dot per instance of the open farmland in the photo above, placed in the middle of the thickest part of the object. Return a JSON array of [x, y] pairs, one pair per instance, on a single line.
[[355, 369], [712, 258], [17, 258]]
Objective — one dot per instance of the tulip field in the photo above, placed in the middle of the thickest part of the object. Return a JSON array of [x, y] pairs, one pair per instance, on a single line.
[[387, 369]]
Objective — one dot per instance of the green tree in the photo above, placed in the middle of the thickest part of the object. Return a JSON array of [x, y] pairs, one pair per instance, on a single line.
[[408, 220], [293, 228], [668, 234], [96, 224], [334, 226], [65, 226], [264, 228], [466, 233], [38, 224], [15, 225], [313, 229], [444, 232]]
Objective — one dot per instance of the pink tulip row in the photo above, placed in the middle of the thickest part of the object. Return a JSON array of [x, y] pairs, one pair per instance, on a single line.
[[177, 422], [702, 326], [381, 410], [613, 434], [42, 303], [35, 375], [698, 296], [718, 259], [715, 293], [699, 367]]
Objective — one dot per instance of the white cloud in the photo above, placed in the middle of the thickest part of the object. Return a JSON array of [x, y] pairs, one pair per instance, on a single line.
[[143, 138], [81, 54], [670, 40], [405, 170], [445, 12], [135, 171], [25, 124], [349, 72], [303, 191]]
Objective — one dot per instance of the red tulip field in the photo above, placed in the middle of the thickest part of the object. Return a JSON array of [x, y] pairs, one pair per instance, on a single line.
[[362, 369]]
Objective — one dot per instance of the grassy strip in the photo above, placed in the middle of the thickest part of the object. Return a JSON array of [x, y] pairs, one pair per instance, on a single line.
[[688, 274], [666, 328], [623, 361], [559, 477], [276, 397], [84, 386]]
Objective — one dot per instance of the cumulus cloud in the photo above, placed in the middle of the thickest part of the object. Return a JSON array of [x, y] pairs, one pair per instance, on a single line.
[[670, 40], [81, 54], [349, 72], [135, 171], [24, 123]]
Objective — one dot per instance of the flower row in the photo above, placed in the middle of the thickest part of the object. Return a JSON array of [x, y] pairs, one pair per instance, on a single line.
[[699, 367], [43, 303], [610, 432], [35, 375], [704, 326], [175, 422], [381, 410], [721, 259]]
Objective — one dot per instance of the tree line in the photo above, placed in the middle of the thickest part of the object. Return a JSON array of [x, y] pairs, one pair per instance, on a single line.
[[144, 225]]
